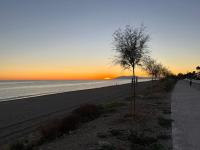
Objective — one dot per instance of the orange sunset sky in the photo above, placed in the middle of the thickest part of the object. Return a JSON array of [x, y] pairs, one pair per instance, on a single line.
[[58, 40]]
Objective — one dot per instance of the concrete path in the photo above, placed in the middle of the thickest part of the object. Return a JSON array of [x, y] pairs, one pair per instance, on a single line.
[[186, 116]]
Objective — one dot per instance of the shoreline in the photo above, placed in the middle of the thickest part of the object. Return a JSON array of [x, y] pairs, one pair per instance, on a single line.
[[27, 94], [31, 111], [54, 93], [64, 87]]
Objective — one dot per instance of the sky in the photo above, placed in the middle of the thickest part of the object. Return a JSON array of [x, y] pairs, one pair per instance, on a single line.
[[72, 39]]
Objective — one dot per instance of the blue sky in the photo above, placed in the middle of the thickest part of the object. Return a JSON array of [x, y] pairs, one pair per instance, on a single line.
[[60, 35]]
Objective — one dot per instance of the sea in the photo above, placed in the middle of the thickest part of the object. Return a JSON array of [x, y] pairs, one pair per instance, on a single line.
[[13, 90]]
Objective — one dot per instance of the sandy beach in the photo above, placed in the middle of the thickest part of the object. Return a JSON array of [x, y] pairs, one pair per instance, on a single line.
[[21, 116]]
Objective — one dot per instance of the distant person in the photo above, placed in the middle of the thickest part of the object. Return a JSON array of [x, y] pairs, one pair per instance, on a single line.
[[190, 82], [136, 80]]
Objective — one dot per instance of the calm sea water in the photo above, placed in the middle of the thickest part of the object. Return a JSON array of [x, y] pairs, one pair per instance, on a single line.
[[11, 90]]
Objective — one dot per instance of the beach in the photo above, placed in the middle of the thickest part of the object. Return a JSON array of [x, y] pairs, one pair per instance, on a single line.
[[19, 117], [12, 90]]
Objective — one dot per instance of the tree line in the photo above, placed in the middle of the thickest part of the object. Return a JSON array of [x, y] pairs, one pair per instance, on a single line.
[[131, 46], [190, 75]]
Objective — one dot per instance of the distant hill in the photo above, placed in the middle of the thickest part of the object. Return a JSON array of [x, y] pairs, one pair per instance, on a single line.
[[130, 77]]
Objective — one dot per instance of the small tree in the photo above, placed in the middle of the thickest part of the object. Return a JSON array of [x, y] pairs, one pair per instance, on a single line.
[[131, 46], [158, 70], [198, 68], [153, 68], [198, 72], [165, 72], [149, 66]]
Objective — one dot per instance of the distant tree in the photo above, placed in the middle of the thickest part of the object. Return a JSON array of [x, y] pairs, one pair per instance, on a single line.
[[131, 46], [166, 72], [180, 76], [198, 74], [190, 75], [198, 68], [149, 66], [157, 70], [153, 68]]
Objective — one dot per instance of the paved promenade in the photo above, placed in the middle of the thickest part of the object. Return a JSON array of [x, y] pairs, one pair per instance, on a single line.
[[186, 116]]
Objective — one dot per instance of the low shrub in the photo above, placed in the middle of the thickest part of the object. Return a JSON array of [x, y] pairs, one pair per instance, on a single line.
[[165, 111], [88, 112], [168, 84], [56, 128], [104, 145], [164, 136], [50, 130], [157, 146], [109, 107], [70, 123], [19, 145], [140, 140], [166, 123], [115, 132]]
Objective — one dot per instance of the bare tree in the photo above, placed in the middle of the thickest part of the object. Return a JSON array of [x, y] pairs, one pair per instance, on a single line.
[[130, 45], [149, 66], [165, 72], [155, 69], [158, 70]]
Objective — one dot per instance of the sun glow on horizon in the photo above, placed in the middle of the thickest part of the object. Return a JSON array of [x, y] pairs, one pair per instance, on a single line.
[[61, 76], [99, 71], [107, 78]]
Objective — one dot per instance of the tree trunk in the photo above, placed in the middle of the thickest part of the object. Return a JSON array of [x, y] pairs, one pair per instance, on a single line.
[[134, 87], [132, 82], [152, 85]]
